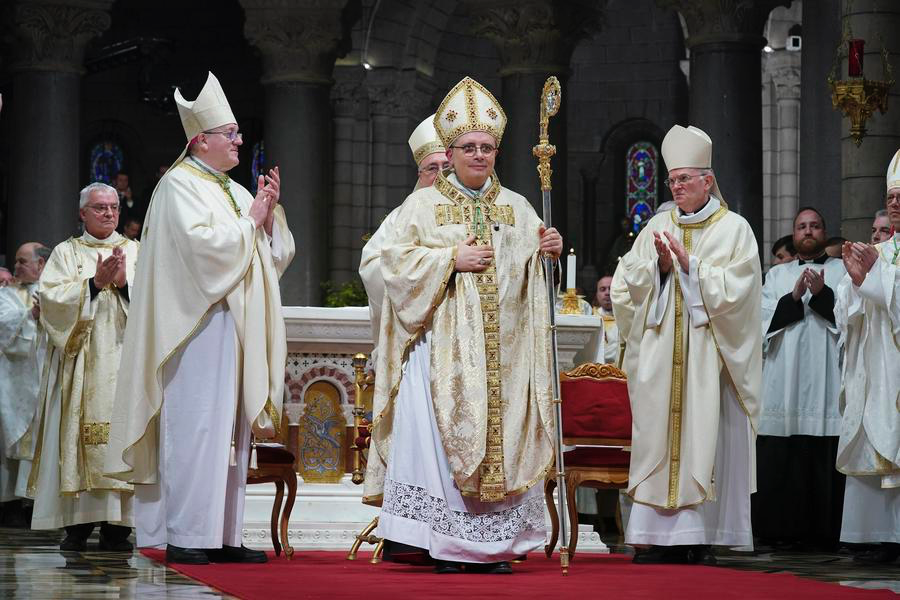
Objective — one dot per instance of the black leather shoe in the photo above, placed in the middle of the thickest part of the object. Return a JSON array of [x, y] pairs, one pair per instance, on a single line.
[[186, 556], [113, 545], [499, 568], [234, 554], [885, 554], [446, 567], [662, 555], [114, 538], [702, 555], [73, 543]]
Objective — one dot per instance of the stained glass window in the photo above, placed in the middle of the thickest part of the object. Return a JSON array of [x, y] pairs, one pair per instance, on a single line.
[[107, 159], [641, 186], [258, 164]]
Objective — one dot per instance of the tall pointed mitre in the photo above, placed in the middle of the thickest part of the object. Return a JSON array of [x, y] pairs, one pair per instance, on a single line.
[[209, 110], [424, 140], [893, 172], [689, 148], [469, 107]]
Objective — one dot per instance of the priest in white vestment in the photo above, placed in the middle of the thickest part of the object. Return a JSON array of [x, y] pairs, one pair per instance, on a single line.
[[203, 369], [683, 298], [430, 157], [799, 493], [462, 436], [84, 296], [23, 345], [868, 315]]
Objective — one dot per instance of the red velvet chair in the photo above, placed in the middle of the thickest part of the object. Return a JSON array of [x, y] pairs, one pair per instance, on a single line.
[[596, 420]]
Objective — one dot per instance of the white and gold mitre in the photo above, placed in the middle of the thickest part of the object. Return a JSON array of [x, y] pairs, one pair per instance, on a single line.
[[689, 148], [893, 172], [424, 140], [469, 107], [208, 111]]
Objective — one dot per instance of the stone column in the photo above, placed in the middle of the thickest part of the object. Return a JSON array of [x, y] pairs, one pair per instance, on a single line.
[[784, 69], [864, 167], [820, 124], [44, 108], [299, 42], [725, 39], [535, 39]]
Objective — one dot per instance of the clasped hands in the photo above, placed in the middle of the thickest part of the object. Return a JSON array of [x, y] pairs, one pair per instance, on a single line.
[[111, 270], [476, 258], [262, 211], [809, 279], [665, 252], [858, 259]]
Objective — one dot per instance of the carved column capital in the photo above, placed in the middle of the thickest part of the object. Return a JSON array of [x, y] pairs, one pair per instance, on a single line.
[[399, 94], [347, 93], [724, 21], [51, 35], [298, 39], [784, 67], [534, 36]]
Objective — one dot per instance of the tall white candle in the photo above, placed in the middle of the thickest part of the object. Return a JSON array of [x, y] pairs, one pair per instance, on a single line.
[[570, 270]]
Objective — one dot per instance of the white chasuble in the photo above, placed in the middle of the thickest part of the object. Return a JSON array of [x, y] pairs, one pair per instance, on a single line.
[[869, 448], [462, 401], [199, 248], [86, 333], [683, 336], [801, 368]]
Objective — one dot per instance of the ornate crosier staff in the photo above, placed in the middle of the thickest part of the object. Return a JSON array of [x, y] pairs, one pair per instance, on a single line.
[[551, 96]]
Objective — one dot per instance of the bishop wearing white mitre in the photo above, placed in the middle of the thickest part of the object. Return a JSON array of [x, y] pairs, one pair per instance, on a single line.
[[205, 350]]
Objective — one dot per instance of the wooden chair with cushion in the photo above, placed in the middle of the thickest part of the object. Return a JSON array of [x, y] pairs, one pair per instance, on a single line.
[[275, 464], [596, 421]]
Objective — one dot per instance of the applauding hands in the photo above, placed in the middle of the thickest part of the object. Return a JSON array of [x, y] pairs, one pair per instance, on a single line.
[[111, 270], [858, 260]]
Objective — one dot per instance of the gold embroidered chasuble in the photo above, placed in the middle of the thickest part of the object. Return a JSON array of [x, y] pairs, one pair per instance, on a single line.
[[199, 248], [85, 345], [490, 352], [674, 367]]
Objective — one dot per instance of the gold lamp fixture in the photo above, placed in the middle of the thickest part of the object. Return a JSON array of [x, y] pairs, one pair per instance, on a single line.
[[857, 97]]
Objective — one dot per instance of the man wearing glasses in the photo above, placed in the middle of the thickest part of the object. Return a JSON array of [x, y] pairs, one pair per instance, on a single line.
[[687, 302], [463, 420], [203, 369], [84, 298]]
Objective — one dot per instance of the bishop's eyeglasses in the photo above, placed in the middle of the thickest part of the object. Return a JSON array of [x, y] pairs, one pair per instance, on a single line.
[[231, 136], [471, 149]]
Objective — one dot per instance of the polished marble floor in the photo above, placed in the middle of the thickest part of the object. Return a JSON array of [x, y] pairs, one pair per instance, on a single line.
[[33, 567]]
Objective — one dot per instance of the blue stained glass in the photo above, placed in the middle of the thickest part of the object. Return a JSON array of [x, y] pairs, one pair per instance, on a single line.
[[641, 185], [257, 164], [107, 159]]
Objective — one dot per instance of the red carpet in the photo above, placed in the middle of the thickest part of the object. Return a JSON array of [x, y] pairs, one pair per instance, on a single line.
[[329, 575]]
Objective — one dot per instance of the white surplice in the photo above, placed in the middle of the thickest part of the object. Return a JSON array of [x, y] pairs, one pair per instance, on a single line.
[[423, 507], [723, 519], [801, 370], [869, 448]]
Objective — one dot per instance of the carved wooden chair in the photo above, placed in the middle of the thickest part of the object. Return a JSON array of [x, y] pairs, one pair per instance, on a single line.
[[365, 389], [275, 464], [596, 420]]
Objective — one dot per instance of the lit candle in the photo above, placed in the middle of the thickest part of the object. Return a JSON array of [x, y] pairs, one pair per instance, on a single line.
[[855, 54], [570, 270]]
